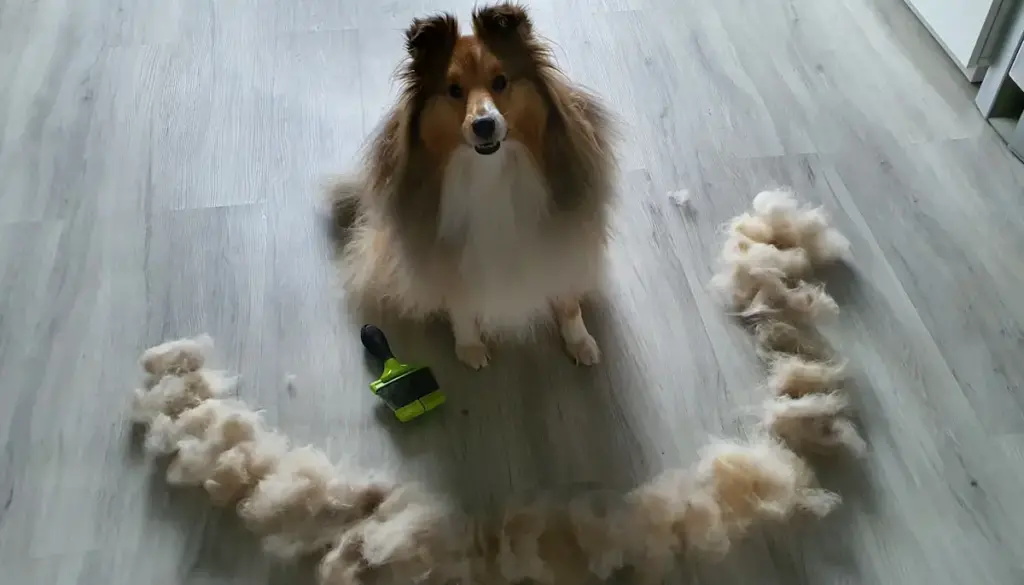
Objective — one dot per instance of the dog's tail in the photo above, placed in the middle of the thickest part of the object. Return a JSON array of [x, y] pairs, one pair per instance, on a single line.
[[340, 200]]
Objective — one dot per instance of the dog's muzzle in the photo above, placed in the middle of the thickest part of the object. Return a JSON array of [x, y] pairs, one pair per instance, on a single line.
[[485, 131]]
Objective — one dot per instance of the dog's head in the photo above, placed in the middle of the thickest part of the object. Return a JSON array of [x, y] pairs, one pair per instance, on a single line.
[[500, 83], [479, 89]]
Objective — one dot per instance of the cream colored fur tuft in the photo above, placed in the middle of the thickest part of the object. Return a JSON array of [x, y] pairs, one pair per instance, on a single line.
[[768, 257]]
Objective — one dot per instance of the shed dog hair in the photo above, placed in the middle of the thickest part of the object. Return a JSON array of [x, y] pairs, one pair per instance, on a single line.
[[368, 530], [768, 255]]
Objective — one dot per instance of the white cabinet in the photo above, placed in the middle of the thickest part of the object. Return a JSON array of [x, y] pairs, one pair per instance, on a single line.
[[1001, 93], [1017, 68], [966, 29]]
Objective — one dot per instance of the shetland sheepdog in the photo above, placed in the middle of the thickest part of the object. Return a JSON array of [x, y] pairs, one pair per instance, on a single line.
[[486, 190]]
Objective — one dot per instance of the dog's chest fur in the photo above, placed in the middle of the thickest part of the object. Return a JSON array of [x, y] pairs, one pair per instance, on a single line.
[[511, 265]]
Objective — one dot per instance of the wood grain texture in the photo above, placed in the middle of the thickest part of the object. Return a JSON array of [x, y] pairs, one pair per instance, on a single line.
[[159, 165]]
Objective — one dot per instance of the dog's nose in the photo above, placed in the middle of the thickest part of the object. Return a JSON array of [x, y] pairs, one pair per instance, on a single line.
[[484, 128]]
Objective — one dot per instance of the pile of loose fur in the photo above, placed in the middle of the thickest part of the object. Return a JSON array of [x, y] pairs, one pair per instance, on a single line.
[[764, 270], [368, 529]]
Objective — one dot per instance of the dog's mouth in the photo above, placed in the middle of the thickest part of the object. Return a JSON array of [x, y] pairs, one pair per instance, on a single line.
[[489, 148]]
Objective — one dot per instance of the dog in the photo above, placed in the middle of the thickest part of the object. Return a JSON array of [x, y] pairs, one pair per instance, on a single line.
[[486, 191]]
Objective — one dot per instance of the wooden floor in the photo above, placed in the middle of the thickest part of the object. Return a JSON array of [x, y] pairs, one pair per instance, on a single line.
[[158, 167]]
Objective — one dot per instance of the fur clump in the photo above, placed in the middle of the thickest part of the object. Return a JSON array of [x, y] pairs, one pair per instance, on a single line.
[[814, 424], [705, 509], [177, 357], [175, 381], [368, 530], [776, 338], [223, 447], [302, 505], [733, 487], [766, 262], [550, 539], [809, 411], [768, 253], [296, 499], [794, 377], [409, 537], [791, 225]]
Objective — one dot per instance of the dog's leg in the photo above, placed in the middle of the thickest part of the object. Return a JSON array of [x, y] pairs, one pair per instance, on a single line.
[[578, 342], [469, 344]]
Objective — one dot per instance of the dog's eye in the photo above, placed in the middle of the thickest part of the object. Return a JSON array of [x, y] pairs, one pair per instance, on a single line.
[[499, 83], [455, 90]]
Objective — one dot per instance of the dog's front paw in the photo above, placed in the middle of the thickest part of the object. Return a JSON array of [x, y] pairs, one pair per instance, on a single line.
[[474, 355], [584, 351]]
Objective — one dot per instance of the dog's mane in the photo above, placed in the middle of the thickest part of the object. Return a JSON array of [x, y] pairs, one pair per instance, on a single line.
[[577, 157]]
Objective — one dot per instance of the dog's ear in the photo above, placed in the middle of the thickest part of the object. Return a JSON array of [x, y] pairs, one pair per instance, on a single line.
[[434, 32], [504, 21], [430, 42]]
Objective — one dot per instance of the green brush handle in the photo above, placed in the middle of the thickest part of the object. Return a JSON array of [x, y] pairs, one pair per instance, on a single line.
[[374, 341]]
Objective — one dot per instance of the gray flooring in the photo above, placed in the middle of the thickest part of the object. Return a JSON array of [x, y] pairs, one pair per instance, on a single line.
[[158, 165]]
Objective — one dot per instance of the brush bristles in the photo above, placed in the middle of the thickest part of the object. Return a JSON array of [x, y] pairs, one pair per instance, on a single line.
[[408, 388]]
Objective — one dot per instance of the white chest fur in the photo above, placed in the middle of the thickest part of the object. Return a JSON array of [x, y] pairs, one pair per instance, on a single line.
[[510, 268]]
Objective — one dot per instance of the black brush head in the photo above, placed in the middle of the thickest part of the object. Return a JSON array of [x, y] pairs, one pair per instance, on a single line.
[[408, 388]]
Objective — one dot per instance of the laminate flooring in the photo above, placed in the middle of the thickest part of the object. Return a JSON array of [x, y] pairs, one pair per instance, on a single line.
[[159, 164]]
